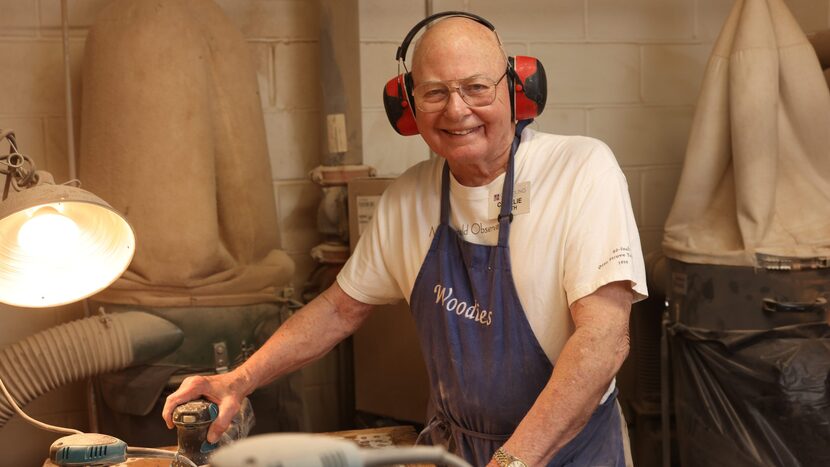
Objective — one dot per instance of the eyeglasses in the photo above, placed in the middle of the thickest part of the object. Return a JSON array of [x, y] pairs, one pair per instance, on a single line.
[[476, 91]]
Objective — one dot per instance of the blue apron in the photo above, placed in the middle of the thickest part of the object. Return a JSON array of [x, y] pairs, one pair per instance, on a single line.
[[485, 365]]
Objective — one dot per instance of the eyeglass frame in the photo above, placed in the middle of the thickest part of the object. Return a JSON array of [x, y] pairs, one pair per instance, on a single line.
[[457, 88]]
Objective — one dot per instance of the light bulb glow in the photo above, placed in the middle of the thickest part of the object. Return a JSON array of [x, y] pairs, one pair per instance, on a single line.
[[48, 234], [59, 244]]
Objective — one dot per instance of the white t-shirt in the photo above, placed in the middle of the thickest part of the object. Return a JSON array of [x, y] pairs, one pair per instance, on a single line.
[[573, 230]]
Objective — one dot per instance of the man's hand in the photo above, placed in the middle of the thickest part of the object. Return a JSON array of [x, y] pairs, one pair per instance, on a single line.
[[306, 336], [226, 390]]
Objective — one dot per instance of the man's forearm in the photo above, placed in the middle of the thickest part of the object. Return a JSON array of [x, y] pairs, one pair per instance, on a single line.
[[582, 374], [306, 336], [579, 380]]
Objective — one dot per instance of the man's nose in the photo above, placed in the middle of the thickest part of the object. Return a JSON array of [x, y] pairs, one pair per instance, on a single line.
[[455, 104]]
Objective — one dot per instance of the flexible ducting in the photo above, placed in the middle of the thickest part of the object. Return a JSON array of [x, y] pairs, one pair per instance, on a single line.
[[79, 349]]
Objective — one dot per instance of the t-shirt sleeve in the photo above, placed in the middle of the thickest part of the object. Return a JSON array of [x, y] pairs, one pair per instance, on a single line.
[[366, 276], [603, 244]]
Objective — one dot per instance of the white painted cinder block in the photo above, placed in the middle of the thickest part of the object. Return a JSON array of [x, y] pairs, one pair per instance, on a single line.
[[33, 84], [293, 143], [643, 135], [561, 121], [297, 71], [515, 48], [449, 5], [80, 13], [389, 20], [385, 150], [810, 14], [533, 20], [711, 15], [641, 20], [29, 134], [672, 73], [275, 19], [18, 18], [590, 73], [377, 66], [659, 188]]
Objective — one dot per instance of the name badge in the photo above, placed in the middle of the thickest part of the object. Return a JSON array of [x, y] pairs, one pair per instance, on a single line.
[[521, 200]]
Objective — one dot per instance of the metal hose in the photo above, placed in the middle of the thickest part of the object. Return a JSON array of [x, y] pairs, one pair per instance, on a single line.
[[79, 349]]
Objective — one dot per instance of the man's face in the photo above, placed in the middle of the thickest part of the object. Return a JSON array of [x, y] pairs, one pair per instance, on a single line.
[[460, 133]]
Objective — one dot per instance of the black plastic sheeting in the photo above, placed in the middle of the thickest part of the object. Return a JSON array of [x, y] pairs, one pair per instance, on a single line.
[[752, 398]]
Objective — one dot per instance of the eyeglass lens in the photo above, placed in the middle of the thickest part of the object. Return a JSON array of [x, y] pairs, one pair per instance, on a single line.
[[477, 91]]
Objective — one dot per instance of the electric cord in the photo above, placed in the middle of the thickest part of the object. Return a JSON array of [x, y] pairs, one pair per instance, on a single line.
[[159, 454], [39, 424], [20, 169], [131, 451]]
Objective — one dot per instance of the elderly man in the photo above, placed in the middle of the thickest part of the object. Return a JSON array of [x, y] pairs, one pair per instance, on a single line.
[[522, 314]]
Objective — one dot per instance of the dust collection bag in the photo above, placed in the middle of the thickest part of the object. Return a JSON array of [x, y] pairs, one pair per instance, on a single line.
[[756, 178], [749, 236], [752, 398], [172, 135]]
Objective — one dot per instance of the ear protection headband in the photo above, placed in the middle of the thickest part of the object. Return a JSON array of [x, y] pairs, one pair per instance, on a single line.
[[525, 78]]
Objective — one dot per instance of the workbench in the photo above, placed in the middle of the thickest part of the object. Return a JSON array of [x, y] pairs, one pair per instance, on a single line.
[[370, 438]]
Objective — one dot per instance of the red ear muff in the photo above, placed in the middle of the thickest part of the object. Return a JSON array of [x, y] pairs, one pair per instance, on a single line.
[[525, 78], [400, 114], [397, 94], [530, 87]]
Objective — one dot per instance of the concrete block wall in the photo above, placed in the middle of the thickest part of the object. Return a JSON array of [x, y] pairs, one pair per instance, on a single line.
[[283, 36], [625, 72], [32, 103]]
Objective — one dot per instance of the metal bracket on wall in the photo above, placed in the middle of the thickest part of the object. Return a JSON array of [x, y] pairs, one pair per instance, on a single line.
[[220, 356]]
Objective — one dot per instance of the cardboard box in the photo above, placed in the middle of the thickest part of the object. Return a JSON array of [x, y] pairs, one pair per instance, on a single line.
[[390, 376], [364, 194]]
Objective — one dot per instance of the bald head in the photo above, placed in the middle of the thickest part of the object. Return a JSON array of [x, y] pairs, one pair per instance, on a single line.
[[456, 35]]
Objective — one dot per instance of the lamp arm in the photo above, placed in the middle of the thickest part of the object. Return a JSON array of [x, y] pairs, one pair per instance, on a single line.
[[31, 420], [20, 171]]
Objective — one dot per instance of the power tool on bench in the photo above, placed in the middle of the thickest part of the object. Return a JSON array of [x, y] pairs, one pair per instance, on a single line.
[[192, 420]]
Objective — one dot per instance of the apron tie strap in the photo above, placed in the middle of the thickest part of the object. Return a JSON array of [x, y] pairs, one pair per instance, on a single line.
[[438, 429], [442, 427]]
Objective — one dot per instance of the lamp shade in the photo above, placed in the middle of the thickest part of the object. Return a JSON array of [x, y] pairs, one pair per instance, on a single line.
[[59, 244]]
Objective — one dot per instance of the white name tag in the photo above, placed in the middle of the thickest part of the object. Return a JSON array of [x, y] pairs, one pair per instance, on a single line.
[[521, 200]]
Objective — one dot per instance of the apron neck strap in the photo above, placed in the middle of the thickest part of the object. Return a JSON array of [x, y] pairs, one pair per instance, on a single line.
[[506, 211], [445, 194], [505, 215]]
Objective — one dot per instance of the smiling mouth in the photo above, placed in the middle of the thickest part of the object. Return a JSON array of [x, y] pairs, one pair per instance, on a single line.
[[462, 132]]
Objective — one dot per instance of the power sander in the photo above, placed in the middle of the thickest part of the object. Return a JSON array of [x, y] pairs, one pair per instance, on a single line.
[[192, 421]]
